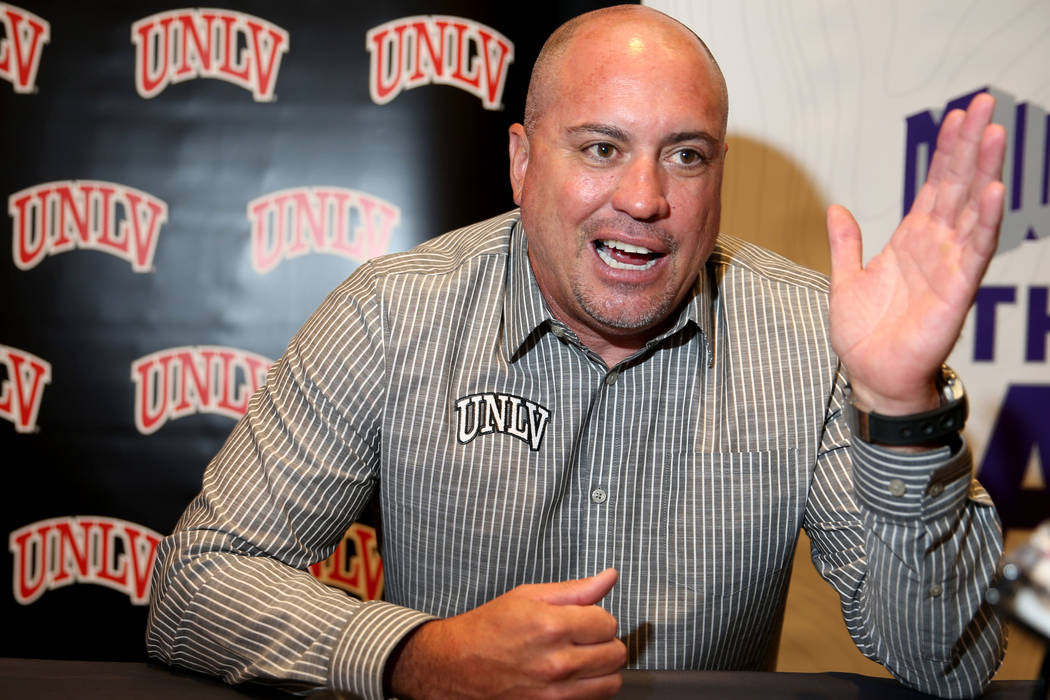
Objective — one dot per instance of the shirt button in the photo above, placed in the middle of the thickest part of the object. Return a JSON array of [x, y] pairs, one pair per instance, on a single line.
[[936, 489], [598, 495], [935, 590], [611, 377], [897, 488]]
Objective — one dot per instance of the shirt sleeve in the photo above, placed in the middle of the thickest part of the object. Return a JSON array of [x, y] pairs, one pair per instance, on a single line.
[[910, 542], [231, 596]]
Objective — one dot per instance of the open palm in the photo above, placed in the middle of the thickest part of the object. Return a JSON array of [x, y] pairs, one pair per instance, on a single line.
[[894, 321]]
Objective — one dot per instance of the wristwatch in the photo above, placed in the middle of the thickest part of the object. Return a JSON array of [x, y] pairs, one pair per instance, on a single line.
[[916, 428]]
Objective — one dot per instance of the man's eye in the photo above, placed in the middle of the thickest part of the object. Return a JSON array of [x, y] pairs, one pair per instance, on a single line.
[[602, 151], [687, 156]]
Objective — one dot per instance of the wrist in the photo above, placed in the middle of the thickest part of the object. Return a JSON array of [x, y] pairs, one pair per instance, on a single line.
[[409, 664], [923, 428], [925, 398]]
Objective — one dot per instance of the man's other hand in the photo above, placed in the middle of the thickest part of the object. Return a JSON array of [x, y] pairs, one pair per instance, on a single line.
[[537, 640], [894, 320]]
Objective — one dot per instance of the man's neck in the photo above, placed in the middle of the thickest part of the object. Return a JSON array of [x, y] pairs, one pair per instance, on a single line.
[[614, 348]]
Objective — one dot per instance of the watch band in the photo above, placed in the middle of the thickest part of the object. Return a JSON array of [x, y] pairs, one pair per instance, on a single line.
[[916, 428]]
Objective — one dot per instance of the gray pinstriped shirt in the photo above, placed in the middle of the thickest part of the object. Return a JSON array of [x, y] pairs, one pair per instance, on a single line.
[[504, 452]]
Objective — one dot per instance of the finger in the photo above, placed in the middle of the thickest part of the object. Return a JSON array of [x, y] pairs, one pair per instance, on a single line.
[[595, 660], [985, 237], [991, 153], [584, 661], [956, 186], [990, 157], [927, 195], [604, 687], [844, 243], [594, 688], [583, 591], [588, 624]]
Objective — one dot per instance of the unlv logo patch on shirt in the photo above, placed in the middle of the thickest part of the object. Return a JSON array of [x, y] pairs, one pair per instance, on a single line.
[[482, 414]]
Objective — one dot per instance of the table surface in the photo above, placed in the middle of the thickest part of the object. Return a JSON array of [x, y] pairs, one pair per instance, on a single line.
[[45, 679]]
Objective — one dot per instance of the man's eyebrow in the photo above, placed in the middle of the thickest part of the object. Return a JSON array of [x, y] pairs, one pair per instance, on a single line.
[[681, 136], [612, 132], [618, 134]]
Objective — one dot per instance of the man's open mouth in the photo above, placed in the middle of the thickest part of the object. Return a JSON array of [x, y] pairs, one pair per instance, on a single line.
[[624, 256]]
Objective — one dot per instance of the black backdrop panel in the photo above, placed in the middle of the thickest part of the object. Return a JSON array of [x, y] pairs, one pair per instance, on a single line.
[[135, 254]]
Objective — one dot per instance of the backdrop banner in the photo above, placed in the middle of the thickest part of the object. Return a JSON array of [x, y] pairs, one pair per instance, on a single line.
[[840, 103], [183, 187]]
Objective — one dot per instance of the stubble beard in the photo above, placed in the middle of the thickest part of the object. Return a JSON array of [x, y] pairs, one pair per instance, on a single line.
[[616, 311], [623, 310]]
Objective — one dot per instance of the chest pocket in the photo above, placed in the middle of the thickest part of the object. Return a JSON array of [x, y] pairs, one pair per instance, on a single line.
[[735, 517]]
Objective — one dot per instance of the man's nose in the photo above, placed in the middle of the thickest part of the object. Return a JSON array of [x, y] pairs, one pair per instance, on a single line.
[[640, 191]]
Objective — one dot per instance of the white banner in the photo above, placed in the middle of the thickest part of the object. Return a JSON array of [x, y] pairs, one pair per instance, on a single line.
[[838, 102]]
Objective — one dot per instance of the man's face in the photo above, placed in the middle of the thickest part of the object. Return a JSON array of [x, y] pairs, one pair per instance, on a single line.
[[619, 183]]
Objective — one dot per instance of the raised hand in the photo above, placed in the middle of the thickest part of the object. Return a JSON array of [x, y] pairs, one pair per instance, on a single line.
[[538, 640], [894, 321]]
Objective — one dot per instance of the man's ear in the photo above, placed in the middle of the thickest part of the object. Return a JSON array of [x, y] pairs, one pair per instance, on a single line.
[[518, 147]]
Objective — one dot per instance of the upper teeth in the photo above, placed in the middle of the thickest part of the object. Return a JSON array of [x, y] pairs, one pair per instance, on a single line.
[[626, 247], [614, 263]]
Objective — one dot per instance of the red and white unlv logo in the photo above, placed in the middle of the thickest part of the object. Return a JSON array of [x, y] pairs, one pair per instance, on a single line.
[[355, 565], [21, 392], [177, 382], [179, 45], [414, 51], [290, 223], [24, 37], [57, 552], [55, 217]]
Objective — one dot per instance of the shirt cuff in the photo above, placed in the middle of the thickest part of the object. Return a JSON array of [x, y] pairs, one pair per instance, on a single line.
[[361, 653], [894, 485]]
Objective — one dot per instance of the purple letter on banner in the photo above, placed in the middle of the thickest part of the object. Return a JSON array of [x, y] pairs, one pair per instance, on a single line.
[[1022, 427]]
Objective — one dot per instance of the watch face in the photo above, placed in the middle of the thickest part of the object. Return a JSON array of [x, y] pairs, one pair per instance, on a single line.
[[952, 386]]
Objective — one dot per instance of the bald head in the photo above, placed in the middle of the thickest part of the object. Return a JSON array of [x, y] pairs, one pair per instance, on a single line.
[[597, 26]]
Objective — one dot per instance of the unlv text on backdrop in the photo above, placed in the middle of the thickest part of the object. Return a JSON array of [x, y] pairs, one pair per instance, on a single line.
[[57, 552], [178, 382], [24, 37], [414, 51], [55, 217], [334, 220], [179, 45], [22, 391], [355, 566]]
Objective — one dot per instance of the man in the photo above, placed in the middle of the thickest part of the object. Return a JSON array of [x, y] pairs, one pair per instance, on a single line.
[[603, 400]]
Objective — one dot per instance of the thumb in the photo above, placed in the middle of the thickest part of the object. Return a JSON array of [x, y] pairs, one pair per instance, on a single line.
[[844, 242], [581, 591]]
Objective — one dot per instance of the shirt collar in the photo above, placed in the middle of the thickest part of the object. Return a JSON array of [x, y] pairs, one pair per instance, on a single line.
[[526, 312], [524, 309]]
